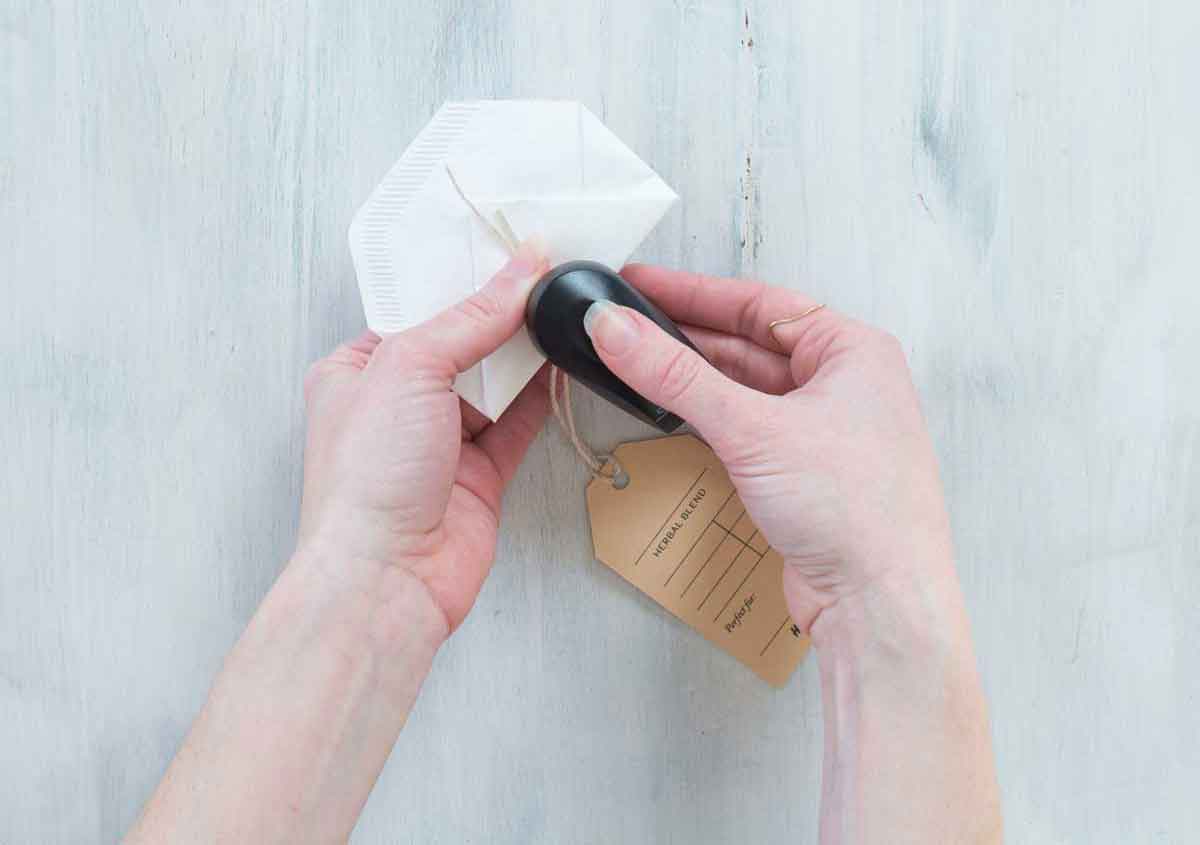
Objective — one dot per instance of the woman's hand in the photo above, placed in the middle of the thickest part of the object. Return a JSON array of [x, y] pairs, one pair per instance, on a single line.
[[401, 473], [819, 426], [402, 490], [816, 421], [402, 486]]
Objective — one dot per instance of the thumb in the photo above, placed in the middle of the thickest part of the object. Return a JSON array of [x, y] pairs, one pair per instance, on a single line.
[[461, 336], [664, 370]]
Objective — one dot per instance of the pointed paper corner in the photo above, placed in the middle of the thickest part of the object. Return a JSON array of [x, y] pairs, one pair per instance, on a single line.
[[653, 179]]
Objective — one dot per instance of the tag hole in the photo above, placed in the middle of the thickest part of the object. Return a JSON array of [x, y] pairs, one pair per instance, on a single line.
[[619, 478]]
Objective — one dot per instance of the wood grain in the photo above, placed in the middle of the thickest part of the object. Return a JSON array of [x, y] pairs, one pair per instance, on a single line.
[[1011, 188]]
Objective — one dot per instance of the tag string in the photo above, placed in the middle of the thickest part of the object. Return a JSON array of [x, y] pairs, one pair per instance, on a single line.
[[600, 466]]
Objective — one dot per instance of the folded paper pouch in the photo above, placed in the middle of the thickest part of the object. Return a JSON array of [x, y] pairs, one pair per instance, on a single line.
[[550, 168]]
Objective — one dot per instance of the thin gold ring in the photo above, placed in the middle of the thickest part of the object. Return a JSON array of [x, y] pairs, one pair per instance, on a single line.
[[812, 309]]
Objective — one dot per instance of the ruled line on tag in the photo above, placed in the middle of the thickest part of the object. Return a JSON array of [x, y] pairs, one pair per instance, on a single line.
[[705, 561]]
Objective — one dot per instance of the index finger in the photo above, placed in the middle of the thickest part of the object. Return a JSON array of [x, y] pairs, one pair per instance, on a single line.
[[747, 309], [733, 306]]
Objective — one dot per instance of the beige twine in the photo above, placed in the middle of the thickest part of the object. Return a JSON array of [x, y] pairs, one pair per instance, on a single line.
[[600, 466]]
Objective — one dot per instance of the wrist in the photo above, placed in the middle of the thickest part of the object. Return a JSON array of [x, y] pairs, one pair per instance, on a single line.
[[313, 694], [902, 614], [907, 754], [378, 605]]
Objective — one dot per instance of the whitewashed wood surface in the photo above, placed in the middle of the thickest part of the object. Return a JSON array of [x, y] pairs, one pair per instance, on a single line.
[[1012, 188]]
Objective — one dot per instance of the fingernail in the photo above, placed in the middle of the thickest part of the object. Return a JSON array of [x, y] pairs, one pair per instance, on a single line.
[[523, 270], [610, 327], [530, 257]]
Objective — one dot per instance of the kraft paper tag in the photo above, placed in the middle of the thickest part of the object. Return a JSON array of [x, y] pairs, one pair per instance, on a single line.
[[679, 533]]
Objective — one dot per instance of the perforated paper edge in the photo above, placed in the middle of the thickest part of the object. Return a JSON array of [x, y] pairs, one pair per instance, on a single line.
[[369, 230]]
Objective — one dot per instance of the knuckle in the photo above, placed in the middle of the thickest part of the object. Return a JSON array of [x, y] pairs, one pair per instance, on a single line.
[[525, 428], [748, 313], [313, 377], [393, 350], [678, 373], [481, 308], [351, 355], [405, 353], [734, 359], [890, 347]]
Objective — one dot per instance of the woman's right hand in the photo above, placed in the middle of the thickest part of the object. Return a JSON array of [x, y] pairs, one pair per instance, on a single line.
[[819, 426], [816, 420]]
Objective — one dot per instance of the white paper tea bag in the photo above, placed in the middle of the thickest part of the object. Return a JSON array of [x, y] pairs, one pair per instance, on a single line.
[[550, 167]]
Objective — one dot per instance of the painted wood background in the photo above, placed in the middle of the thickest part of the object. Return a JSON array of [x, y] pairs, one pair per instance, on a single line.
[[1012, 188]]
